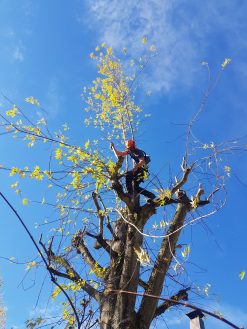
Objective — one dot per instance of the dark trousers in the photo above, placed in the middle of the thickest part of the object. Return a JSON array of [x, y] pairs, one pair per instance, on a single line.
[[133, 181]]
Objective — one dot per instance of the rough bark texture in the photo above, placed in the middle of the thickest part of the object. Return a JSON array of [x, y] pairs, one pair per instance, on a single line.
[[117, 310], [148, 306]]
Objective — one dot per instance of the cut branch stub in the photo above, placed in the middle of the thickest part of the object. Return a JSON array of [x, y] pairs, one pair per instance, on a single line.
[[186, 170], [117, 166]]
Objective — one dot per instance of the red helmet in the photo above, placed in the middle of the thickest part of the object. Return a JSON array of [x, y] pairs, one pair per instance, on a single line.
[[130, 144]]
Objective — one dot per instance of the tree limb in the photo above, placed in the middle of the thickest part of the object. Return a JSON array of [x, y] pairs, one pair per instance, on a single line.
[[117, 187], [79, 244], [99, 212], [70, 274], [186, 170], [142, 283], [108, 224], [181, 295], [102, 243]]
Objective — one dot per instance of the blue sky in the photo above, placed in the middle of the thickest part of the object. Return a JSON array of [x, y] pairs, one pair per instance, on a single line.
[[45, 47]]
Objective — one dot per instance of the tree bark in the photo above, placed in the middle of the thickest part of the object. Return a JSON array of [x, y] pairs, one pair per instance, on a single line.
[[148, 305], [118, 311]]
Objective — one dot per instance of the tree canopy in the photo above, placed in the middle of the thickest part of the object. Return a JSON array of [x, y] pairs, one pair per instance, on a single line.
[[99, 241]]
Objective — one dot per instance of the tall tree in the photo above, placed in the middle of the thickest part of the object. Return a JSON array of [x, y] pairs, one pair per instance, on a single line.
[[89, 184]]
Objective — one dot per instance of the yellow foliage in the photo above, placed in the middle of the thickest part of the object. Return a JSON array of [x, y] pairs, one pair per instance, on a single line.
[[32, 100], [163, 194], [142, 256], [186, 251], [144, 40], [56, 292], [73, 159], [152, 48], [110, 97], [25, 202], [12, 113], [86, 145], [58, 154], [14, 170], [14, 185], [225, 63], [41, 121], [30, 265], [36, 173], [98, 271], [227, 170]]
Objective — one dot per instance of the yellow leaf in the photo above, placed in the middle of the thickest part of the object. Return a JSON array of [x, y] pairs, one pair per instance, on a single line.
[[142, 256], [227, 169], [152, 48], [32, 100], [186, 251], [25, 202], [86, 145], [109, 51], [12, 113], [206, 289], [225, 63], [58, 154], [31, 265], [144, 40], [241, 275]]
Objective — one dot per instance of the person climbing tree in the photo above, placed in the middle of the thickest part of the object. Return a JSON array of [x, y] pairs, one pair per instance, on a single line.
[[139, 172]]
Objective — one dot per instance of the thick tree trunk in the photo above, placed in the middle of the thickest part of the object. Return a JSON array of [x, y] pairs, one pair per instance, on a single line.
[[108, 300], [118, 311], [125, 306]]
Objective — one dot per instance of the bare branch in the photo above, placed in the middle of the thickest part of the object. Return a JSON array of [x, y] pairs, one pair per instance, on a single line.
[[102, 243], [196, 201], [213, 193], [108, 224], [142, 283], [99, 212], [181, 295], [70, 274], [200, 192], [78, 243], [186, 170]]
